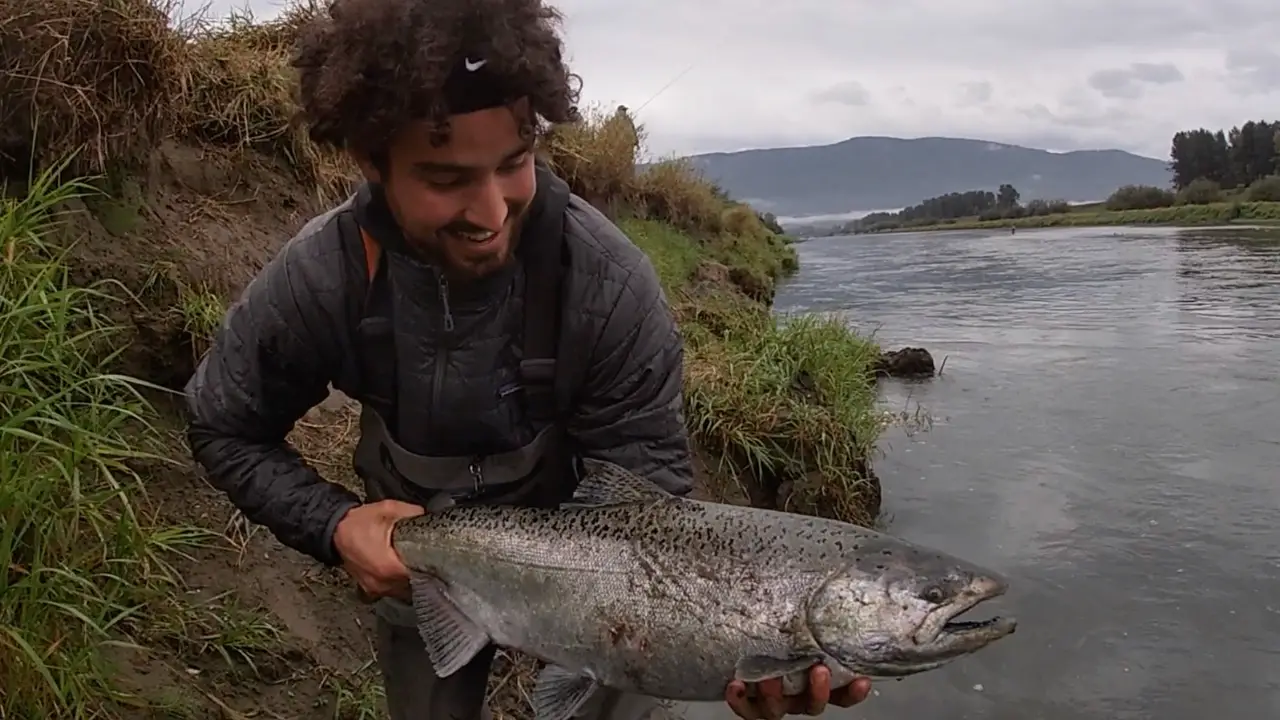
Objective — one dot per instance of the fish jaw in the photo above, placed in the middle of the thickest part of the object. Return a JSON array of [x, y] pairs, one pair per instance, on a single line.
[[902, 620]]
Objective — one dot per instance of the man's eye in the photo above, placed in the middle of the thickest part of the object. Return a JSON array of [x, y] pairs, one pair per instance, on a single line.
[[514, 165], [446, 181]]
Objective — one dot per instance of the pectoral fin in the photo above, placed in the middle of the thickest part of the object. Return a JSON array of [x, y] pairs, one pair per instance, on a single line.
[[763, 667], [451, 638], [559, 693]]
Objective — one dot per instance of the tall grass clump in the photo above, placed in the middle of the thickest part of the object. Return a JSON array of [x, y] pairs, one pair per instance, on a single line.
[[788, 404], [78, 559], [600, 157], [242, 94], [99, 78]]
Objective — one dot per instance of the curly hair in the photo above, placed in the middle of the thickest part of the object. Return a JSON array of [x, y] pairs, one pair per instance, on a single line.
[[367, 68]]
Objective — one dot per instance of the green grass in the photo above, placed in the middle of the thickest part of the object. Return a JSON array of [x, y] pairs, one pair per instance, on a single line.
[[356, 696], [84, 567], [1092, 216], [756, 258], [76, 560], [789, 400], [775, 400], [674, 255]]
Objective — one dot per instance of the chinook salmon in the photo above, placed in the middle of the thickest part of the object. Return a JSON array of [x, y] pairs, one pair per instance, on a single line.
[[632, 588]]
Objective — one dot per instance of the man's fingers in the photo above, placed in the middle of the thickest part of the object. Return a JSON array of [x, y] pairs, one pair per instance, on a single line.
[[771, 701], [851, 694], [736, 697], [819, 693], [396, 510]]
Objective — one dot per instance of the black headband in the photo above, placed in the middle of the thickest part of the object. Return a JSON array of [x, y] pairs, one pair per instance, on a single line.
[[473, 86]]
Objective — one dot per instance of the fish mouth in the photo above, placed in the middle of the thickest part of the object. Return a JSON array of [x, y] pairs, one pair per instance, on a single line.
[[943, 632], [986, 630]]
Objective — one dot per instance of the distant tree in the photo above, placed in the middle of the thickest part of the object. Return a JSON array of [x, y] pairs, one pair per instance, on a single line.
[[1265, 189], [1140, 197], [1199, 154], [1047, 207], [1200, 191], [1007, 197], [1235, 158], [943, 208], [1253, 151]]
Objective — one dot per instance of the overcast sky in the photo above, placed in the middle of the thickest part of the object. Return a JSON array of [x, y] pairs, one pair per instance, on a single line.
[[710, 75]]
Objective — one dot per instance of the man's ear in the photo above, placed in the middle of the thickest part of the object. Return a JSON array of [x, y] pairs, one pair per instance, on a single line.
[[367, 166]]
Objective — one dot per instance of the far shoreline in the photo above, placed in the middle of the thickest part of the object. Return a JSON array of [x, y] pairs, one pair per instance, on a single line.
[[1259, 214]]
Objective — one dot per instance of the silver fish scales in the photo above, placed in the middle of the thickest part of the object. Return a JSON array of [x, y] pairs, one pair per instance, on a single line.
[[632, 588]]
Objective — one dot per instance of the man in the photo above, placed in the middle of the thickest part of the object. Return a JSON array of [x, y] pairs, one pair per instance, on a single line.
[[493, 326]]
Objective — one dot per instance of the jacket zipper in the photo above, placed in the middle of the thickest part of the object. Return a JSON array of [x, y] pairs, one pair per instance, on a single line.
[[442, 360]]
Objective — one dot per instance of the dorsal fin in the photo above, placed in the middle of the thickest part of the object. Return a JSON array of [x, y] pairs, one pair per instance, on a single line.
[[606, 483]]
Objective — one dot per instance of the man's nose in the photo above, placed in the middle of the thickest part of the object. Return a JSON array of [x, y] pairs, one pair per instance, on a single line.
[[488, 206]]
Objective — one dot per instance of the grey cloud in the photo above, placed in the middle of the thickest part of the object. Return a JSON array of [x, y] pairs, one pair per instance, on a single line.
[[1156, 73], [1073, 116], [1004, 70], [976, 93], [1254, 71], [850, 92], [1127, 83]]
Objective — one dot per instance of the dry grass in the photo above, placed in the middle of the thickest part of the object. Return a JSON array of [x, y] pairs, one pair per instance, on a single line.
[[241, 93], [596, 156], [110, 79], [599, 157], [96, 77]]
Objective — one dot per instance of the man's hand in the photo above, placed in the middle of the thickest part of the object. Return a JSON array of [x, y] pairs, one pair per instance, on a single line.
[[363, 541], [770, 704]]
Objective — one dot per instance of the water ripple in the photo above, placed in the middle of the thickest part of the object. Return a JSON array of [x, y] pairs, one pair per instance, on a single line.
[[1112, 399]]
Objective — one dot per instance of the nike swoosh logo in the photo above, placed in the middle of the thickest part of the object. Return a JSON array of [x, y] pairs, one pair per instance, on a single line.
[[473, 66]]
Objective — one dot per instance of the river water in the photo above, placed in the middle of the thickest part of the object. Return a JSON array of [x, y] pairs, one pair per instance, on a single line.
[[1106, 432]]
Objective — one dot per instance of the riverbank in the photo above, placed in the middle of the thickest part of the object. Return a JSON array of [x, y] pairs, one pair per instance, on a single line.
[[131, 588], [1223, 213]]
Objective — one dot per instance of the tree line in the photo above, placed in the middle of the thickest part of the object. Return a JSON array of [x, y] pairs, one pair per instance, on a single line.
[[1235, 158], [1004, 203], [1208, 166], [1211, 166]]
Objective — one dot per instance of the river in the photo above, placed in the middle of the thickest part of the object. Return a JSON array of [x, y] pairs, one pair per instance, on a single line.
[[1106, 432]]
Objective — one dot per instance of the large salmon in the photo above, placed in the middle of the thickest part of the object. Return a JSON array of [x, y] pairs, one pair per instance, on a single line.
[[632, 588]]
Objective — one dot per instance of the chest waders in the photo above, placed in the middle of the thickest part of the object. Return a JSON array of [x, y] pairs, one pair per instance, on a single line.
[[542, 473]]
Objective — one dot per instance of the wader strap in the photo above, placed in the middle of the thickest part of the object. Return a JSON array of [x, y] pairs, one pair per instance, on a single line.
[[545, 397], [371, 317]]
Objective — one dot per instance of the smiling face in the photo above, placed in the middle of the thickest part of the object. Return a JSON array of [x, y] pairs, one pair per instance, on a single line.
[[460, 203]]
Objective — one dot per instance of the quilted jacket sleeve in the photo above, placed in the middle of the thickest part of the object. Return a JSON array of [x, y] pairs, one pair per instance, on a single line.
[[271, 362], [630, 410]]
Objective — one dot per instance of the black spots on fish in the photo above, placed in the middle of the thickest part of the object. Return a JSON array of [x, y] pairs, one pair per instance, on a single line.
[[888, 553], [843, 547]]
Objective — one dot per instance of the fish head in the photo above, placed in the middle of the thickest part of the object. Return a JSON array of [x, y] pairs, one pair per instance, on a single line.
[[894, 610]]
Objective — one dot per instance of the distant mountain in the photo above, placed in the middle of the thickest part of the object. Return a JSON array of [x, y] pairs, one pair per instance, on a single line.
[[881, 173]]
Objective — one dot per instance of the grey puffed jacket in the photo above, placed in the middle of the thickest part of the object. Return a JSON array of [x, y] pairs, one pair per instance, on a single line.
[[292, 333]]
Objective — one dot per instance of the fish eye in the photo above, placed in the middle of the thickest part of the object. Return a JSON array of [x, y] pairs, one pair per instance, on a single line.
[[933, 595]]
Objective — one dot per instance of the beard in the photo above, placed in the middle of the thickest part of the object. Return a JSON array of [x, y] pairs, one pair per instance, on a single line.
[[467, 252]]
